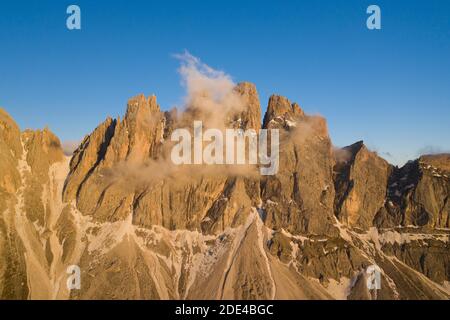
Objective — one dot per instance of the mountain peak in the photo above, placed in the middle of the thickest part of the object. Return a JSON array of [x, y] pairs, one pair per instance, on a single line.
[[10, 133], [250, 117], [355, 147], [281, 107], [141, 106]]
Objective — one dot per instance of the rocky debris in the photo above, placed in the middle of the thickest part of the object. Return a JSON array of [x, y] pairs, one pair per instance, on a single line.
[[360, 180]]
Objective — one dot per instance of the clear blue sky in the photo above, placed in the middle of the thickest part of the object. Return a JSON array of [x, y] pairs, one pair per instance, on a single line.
[[390, 87]]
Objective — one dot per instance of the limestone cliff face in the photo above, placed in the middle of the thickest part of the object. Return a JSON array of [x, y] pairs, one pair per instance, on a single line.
[[361, 181], [300, 197], [418, 194], [135, 139], [428, 256], [250, 117], [139, 135], [12, 264], [204, 201], [140, 228], [428, 204], [29, 207], [10, 152], [280, 112], [43, 149], [370, 192], [87, 157]]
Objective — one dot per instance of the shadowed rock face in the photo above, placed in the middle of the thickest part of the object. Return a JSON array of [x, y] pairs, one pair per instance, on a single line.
[[429, 257], [88, 157], [370, 192], [360, 179], [418, 195], [139, 228]]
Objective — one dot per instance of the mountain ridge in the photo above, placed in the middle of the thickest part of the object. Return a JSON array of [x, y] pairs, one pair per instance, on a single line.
[[139, 228]]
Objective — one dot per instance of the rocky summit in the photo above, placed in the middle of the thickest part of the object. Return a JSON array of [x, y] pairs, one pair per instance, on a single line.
[[139, 227]]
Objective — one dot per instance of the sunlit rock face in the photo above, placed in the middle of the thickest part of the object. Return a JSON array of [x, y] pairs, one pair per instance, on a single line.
[[141, 228], [300, 197]]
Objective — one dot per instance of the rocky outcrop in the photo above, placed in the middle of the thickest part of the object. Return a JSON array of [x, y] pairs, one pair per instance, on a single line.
[[12, 261], [361, 180], [43, 149], [28, 210], [428, 256], [87, 157], [281, 112], [299, 198], [250, 117], [418, 195], [139, 136], [369, 191], [10, 152], [203, 201], [135, 139]]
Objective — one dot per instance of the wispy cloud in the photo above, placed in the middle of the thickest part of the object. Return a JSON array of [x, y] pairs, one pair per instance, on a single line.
[[431, 149]]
